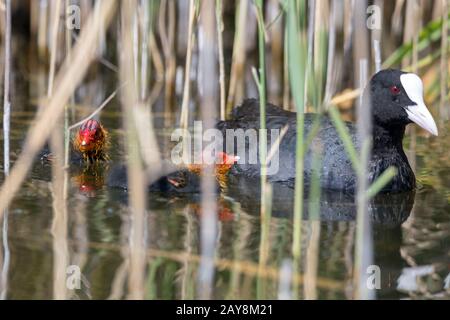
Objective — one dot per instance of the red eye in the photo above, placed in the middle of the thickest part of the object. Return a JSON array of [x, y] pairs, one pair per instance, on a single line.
[[394, 90]]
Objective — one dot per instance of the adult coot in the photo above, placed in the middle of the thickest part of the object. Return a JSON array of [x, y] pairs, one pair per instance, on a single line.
[[397, 100]]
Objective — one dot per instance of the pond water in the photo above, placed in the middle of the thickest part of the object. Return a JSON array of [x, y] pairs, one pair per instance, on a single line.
[[411, 232]]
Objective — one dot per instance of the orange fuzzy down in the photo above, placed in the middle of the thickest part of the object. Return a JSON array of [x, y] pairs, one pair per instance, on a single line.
[[221, 168], [92, 141]]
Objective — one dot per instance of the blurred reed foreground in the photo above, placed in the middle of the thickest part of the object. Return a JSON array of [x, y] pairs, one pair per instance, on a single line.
[[145, 68]]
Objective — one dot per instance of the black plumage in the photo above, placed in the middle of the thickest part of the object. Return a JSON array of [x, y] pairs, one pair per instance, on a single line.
[[391, 112]]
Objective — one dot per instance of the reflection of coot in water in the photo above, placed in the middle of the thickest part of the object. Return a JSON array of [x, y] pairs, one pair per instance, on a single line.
[[387, 209]]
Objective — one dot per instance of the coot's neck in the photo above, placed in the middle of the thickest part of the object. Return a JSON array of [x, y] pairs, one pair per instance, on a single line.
[[388, 138]]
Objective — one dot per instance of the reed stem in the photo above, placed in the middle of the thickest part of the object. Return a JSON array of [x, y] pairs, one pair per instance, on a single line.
[[262, 104], [219, 22]]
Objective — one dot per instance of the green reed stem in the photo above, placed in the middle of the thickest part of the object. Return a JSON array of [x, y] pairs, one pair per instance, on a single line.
[[343, 133], [429, 34], [381, 181], [345, 137], [297, 66]]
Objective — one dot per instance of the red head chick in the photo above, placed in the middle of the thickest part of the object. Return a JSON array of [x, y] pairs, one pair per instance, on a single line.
[[91, 141]]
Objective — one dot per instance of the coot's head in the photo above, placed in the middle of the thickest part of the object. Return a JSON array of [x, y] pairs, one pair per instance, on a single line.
[[397, 100], [91, 140]]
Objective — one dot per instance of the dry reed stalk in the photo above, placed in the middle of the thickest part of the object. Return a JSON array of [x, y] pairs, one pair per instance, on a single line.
[[364, 245], [6, 146], [166, 26], [376, 38], [412, 26], [208, 76], [397, 18], [286, 82], [136, 181], [159, 69], [42, 28], [144, 29], [331, 78], [444, 112], [66, 80], [59, 223], [97, 110], [68, 41], [6, 89], [238, 59], [187, 70], [321, 28], [219, 22], [53, 45], [275, 63], [34, 18]]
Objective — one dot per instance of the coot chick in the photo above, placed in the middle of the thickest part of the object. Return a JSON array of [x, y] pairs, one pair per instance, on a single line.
[[176, 179], [397, 100], [89, 145]]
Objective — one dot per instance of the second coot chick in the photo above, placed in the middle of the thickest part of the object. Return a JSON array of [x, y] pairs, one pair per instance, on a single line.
[[175, 179], [397, 100]]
